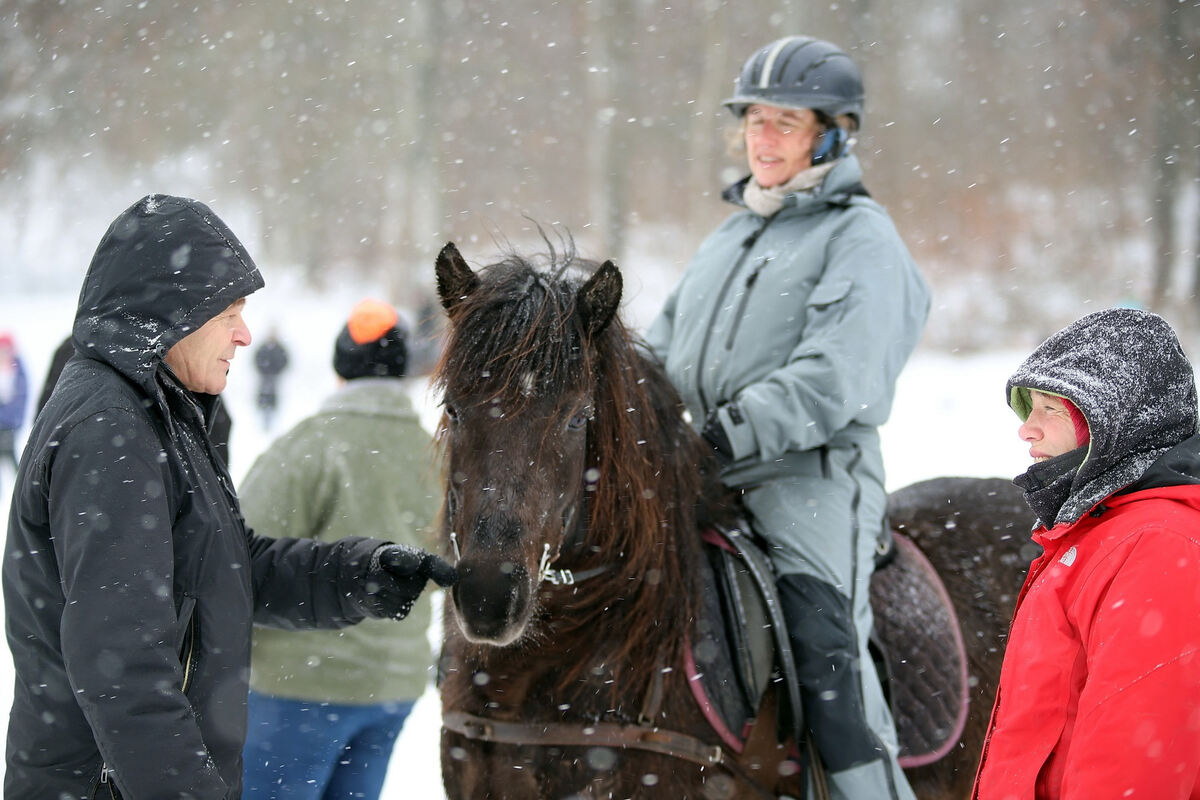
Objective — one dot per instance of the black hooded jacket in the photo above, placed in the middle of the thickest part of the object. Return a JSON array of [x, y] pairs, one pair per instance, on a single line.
[[130, 580]]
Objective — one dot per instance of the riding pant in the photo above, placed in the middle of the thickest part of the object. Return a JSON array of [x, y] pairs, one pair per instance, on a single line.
[[821, 530]]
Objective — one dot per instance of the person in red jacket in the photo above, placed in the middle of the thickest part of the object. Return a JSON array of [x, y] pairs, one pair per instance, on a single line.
[[1099, 693]]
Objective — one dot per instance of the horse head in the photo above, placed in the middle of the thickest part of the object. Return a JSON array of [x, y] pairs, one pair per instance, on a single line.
[[518, 382]]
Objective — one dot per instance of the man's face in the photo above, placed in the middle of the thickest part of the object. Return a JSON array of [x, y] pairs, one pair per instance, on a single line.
[[1048, 428], [201, 359], [779, 142]]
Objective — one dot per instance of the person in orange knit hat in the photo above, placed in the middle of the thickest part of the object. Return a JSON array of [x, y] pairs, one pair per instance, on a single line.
[[326, 707]]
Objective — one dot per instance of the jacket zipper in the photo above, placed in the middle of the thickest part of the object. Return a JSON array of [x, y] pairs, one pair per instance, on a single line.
[[190, 647], [105, 781], [747, 246], [1035, 570], [751, 279]]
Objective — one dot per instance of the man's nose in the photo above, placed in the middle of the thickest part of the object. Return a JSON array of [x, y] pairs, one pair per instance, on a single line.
[[243, 337]]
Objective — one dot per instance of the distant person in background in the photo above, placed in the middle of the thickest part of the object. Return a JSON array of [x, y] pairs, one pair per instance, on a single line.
[[270, 360], [14, 394], [220, 425], [1099, 694], [326, 707], [427, 341], [58, 360]]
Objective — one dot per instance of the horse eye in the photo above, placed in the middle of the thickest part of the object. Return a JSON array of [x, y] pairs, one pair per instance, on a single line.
[[579, 420], [451, 413]]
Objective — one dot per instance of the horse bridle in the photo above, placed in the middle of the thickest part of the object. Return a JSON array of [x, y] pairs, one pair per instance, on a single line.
[[564, 577], [633, 736], [637, 736], [640, 735], [573, 536]]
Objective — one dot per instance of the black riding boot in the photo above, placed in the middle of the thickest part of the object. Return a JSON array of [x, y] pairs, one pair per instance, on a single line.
[[825, 646]]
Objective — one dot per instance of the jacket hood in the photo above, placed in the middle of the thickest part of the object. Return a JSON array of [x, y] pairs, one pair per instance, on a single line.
[[1125, 371], [166, 266], [839, 184]]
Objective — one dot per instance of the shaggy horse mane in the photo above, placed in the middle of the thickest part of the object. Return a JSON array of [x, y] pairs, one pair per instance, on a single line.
[[650, 481]]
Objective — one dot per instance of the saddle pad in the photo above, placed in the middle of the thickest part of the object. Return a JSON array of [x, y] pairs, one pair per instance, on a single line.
[[718, 682], [926, 662]]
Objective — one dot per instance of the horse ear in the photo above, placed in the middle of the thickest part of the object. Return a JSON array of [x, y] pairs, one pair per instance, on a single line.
[[598, 299], [455, 280]]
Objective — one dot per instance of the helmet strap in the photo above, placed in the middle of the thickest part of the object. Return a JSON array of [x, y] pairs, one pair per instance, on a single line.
[[830, 144], [832, 141]]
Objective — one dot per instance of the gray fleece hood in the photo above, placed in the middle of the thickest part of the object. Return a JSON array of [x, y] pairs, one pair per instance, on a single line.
[[1125, 371]]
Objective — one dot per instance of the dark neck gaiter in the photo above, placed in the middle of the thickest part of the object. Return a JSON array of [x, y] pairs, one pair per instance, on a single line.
[[1047, 484]]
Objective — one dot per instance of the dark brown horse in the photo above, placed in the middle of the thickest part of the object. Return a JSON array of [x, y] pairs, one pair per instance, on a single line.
[[575, 491]]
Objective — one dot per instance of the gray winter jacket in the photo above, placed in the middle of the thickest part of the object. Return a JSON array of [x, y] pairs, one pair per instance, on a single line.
[[800, 322]]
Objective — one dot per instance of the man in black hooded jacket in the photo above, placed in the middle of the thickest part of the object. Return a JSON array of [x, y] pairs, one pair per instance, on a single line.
[[130, 580]]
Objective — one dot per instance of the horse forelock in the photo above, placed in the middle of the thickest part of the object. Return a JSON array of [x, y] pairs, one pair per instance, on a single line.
[[515, 336]]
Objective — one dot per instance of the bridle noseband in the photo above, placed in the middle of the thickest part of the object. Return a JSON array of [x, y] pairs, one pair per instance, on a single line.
[[564, 577]]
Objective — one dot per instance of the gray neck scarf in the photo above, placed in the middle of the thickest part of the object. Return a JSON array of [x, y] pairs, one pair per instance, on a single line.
[[766, 202]]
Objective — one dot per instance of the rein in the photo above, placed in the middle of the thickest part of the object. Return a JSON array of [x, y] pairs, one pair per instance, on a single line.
[[601, 734]]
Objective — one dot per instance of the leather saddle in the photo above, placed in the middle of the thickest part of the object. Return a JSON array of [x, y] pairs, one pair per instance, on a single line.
[[740, 648]]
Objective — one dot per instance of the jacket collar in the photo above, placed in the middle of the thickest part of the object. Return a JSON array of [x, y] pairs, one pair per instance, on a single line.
[[844, 176]]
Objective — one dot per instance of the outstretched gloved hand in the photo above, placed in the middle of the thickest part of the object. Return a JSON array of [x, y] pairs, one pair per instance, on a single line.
[[396, 577]]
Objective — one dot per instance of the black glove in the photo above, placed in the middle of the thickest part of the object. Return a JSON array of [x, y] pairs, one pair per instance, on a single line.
[[713, 432], [396, 577]]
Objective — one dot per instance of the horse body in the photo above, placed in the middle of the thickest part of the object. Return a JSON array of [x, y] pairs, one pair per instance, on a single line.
[[575, 493]]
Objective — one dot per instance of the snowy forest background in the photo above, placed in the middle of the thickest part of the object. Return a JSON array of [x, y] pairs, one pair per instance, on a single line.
[[1040, 159]]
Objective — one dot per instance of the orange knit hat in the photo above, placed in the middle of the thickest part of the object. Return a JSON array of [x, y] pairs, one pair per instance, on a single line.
[[371, 344]]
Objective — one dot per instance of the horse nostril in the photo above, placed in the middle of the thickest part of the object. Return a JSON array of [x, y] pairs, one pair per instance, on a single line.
[[489, 600]]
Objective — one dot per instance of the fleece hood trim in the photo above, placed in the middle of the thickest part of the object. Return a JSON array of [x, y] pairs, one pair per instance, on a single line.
[[1126, 372], [166, 266]]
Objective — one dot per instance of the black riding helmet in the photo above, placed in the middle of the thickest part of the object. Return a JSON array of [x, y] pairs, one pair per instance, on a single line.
[[800, 72]]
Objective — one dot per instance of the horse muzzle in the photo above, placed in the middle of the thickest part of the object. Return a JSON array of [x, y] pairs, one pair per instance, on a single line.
[[492, 601]]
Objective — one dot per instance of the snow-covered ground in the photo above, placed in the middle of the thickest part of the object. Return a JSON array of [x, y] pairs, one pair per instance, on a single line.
[[950, 419]]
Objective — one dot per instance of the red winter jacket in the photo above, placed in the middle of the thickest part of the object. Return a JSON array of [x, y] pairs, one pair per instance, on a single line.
[[1100, 690]]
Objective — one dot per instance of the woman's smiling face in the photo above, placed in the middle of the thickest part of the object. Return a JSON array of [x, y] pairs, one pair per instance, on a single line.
[[1048, 428], [779, 142]]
